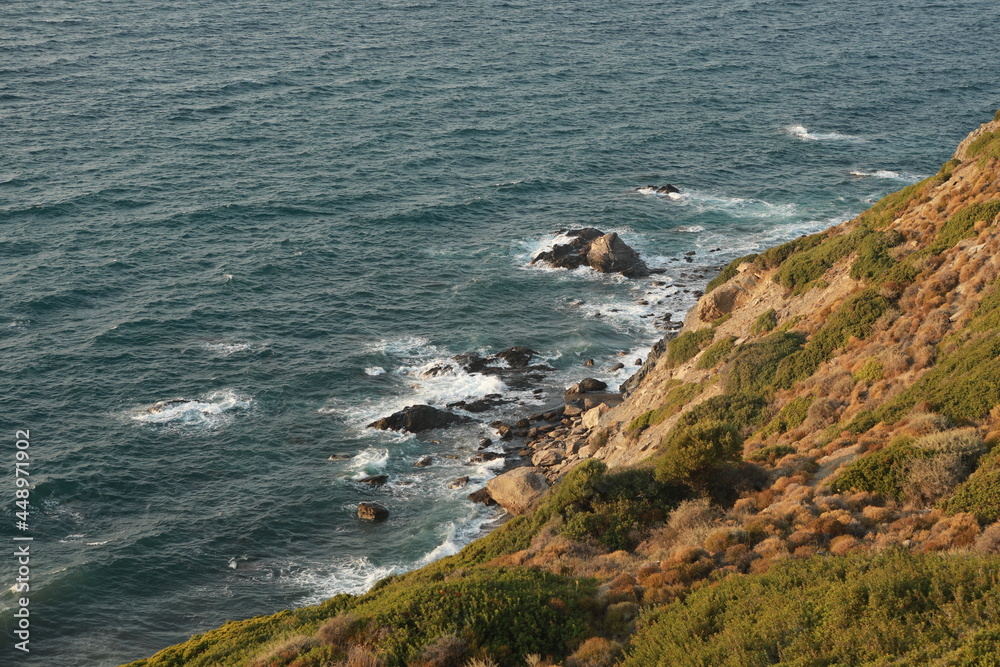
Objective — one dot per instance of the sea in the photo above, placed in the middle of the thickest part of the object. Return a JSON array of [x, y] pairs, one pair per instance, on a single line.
[[234, 233]]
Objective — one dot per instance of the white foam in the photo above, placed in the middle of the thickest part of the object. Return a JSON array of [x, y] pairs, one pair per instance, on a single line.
[[689, 229], [888, 174], [371, 459], [802, 133], [226, 349], [375, 370], [653, 192], [211, 409], [353, 575]]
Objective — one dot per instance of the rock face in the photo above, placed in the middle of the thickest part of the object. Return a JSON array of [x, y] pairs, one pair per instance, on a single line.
[[516, 489], [609, 254], [719, 302], [372, 512], [418, 418], [591, 247]]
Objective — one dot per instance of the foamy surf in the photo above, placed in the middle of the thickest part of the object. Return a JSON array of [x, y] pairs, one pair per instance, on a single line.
[[212, 409], [353, 575], [887, 174], [800, 132]]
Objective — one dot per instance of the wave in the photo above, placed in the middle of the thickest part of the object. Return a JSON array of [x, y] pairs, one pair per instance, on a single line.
[[229, 348], [347, 574], [211, 409], [906, 176], [800, 132], [374, 371]]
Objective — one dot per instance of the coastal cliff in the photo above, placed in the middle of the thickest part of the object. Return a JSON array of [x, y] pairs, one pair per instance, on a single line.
[[808, 473]]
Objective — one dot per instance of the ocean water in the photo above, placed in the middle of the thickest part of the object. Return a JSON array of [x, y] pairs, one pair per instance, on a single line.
[[273, 217]]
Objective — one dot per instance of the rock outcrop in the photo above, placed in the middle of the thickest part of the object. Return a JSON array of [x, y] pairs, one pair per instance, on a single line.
[[602, 252], [515, 490], [418, 418]]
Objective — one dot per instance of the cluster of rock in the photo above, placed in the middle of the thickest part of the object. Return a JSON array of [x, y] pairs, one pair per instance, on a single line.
[[602, 252]]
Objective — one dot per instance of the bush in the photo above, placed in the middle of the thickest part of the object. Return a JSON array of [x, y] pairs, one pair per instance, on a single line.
[[715, 353], [980, 494], [755, 364], [772, 258], [961, 224], [855, 318], [870, 373], [765, 322], [790, 416], [688, 344], [896, 608], [985, 147], [675, 399], [728, 272], [770, 454], [884, 471], [692, 453]]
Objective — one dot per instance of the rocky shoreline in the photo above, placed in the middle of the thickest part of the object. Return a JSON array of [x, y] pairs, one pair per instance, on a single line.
[[543, 444]]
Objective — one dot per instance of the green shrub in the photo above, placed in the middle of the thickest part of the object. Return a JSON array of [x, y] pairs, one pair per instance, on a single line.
[[855, 317], [884, 471], [715, 353], [771, 454], [765, 322], [740, 410], [772, 258], [985, 147], [895, 608], [874, 260], [692, 453], [961, 224], [754, 365], [870, 373], [688, 344], [980, 494], [728, 272], [890, 207], [790, 416], [675, 399]]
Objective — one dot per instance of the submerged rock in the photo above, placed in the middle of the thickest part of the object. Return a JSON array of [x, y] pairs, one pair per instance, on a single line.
[[374, 480], [372, 512], [482, 496], [458, 482], [418, 418]]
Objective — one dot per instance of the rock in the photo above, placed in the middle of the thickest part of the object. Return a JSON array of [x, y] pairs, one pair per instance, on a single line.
[[588, 362], [592, 417], [423, 462], [373, 480], [638, 362], [339, 457], [587, 451], [505, 431], [515, 490], [484, 443], [547, 458], [720, 301], [666, 189], [522, 423], [591, 401], [572, 411], [616, 367], [483, 457], [418, 418], [372, 512], [588, 385], [482, 496], [458, 482], [516, 357], [592, 247], [609, 254]]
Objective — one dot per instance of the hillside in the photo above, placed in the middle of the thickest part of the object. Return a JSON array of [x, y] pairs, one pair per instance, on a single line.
[[807, 474]]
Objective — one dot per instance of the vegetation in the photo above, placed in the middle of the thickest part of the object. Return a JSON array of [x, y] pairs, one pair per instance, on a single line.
[[765, 323], [980, 494], [883, 472], [687, 345], [871, 372], [715, 353], [985, 147], [675, 399], [961, 225], [790, 416], [728, 272], [771, 454], [855, 318], [897, 608], [754, 365]]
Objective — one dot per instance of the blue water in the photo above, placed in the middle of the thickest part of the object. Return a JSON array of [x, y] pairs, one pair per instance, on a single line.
[[280, 213]]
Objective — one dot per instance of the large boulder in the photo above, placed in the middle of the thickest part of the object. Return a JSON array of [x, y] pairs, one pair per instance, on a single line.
[[515, 490], [719, 302], [418, 418], [609, 254], [592, 247]]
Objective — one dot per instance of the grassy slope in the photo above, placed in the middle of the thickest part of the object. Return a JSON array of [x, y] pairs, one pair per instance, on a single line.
[[728, 546]]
